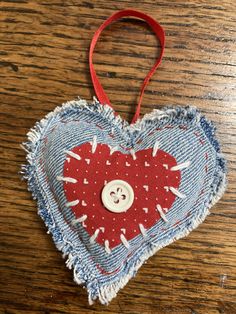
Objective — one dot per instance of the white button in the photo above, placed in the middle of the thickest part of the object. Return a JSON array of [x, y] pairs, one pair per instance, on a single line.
[[117, 196]]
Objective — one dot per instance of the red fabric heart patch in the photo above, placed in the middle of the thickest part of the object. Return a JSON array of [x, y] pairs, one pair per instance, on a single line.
[[89, 168]]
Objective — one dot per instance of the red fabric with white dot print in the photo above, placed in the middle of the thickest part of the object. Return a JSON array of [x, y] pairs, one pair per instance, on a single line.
[[148, 176]]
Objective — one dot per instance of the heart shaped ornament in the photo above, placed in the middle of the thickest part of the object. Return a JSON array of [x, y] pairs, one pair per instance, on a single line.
[[112, 193]]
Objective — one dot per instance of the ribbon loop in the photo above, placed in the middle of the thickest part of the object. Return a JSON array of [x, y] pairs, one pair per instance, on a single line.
[[158, 30]]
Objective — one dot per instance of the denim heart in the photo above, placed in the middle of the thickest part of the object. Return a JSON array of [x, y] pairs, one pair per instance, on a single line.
[[174, 147]]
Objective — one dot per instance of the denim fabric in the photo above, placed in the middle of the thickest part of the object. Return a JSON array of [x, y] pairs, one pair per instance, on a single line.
[[182, 132]]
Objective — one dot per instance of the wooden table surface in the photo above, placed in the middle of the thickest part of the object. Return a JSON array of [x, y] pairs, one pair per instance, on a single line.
[[43, 63]]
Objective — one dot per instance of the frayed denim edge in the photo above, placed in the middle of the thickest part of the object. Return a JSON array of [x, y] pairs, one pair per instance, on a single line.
[[188, 114]]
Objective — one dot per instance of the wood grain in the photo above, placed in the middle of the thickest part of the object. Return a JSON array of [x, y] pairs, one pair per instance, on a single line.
[[44, 62]]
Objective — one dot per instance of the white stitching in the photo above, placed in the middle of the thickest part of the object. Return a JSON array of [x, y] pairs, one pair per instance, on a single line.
[[181, 166], [159, 209], [66, 179], [177, 192], [107, 249], [155, 148], [143, 230], [113, 149], [94, 236], [74, 155], [132, 152], [80, 219], [124, 241], [72, 203], [94, 144]]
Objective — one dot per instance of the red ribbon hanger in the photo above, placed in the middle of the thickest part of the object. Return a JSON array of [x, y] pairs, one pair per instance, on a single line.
[[158, 30]]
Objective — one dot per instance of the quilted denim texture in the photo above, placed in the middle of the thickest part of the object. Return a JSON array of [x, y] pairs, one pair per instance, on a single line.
[[182, 132]]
